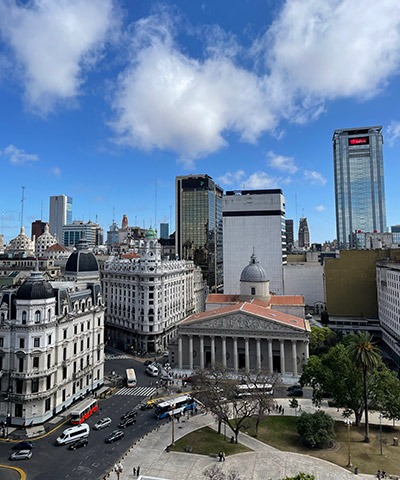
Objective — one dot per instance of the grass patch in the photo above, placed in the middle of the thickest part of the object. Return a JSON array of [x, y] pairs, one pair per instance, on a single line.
[[206, 441], [281, 432]]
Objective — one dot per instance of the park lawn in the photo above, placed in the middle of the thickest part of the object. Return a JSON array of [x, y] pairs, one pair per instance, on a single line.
[[206, 441], [281, 432]]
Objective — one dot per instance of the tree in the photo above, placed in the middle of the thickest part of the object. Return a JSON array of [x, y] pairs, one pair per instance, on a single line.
[[300, 476], [294, 404], [334, 374], [316, 430], [215, 473], [366, 357], [322, 339], [324, 317], [385, 392]]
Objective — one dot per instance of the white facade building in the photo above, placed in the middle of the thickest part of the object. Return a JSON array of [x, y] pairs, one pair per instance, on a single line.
[[147, 297], [305, 279], [51, 342], [254, 219], [60, 214], [45, 241]]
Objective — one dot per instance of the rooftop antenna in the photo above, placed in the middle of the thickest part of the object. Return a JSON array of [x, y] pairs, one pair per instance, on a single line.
[[113, 221], [96, 217], [155, 203], [22, 206]]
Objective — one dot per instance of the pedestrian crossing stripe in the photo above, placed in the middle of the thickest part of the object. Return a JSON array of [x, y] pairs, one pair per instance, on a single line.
[[137, 391], [110, 356]]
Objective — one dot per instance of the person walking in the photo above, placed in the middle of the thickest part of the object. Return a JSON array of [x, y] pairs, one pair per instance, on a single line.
[[134, 471], [283, 410], [138, 471], [220, 455]]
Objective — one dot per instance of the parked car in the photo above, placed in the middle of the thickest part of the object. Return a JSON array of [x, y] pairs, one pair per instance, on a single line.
[[130, 414], [102, 423], [126, 422], [295, 391], [166, 354], [114, 436], [147, 362], [21, 455], [25, 445], [82, 442], [146, 405]]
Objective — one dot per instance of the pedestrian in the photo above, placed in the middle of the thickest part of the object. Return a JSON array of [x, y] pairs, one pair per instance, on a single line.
[[299, 408], [223, 456], [138, 471], [283, 410], [279, 408], [378, 475], [220, 455], [134, 471]]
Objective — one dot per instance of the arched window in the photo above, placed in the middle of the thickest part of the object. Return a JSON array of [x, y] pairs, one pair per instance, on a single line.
[[49, 314], [2, 317], [253, 290], [37, 316], [24, 317]]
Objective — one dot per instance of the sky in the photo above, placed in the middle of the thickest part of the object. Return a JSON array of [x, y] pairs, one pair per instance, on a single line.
[[108, 101]]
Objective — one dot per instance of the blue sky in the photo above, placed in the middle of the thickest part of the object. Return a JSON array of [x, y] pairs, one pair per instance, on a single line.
[[105, 100]]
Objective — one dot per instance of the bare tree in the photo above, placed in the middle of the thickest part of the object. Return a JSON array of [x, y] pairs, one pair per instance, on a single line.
[[215, 473]]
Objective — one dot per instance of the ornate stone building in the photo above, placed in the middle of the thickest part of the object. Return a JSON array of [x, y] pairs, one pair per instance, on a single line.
[[147, 297]]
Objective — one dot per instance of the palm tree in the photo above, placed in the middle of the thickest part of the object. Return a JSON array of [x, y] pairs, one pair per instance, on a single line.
[[366, 357]]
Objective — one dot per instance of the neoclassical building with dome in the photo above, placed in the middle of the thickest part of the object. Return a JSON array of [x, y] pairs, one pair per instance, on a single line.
[[51, 341], [147, 296], [252, 331]]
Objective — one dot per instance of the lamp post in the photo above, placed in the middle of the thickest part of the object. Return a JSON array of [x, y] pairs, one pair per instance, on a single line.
[[380, 432], [172, 426], [348, 422]]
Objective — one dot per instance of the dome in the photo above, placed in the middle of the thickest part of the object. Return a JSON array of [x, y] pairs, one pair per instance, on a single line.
[[150, 234], [82, 260], [35, 288], [45, 241], [254, 272], [21, 244]]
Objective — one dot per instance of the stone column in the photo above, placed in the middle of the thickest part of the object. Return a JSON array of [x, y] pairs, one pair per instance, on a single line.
[[258, 352], [201, 351], [246, 354], [191, 352], [223, 351], [307, 349], [213, 351], [235, 355], [282, 345], [270, 357], [180, 352], [294, 355]]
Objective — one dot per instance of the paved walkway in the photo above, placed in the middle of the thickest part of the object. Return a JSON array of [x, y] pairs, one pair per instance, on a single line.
[[264, 463]]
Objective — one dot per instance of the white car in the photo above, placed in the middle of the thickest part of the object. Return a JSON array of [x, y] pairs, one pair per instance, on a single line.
[[103, 423], [166, 354], [21, 455]]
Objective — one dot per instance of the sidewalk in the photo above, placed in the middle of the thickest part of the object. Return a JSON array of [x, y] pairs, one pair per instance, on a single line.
[[264, 463]]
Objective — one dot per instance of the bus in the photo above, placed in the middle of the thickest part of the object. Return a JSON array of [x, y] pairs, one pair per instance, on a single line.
[[130, 377], [174, 406], [248, 389], [83, 410]]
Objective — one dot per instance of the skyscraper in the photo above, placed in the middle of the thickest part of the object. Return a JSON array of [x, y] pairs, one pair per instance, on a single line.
[[164, 230], [199, 225], [289, 235], [60, 214], [254, 219], [304, 234], [359, 183]]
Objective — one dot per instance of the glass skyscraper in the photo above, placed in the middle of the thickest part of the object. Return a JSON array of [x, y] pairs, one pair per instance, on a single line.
[[199, 226], [60, 215], [359, 183]]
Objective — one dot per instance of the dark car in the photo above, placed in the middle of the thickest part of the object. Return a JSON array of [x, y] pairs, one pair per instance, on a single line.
[[25, 445], [130, 414], [82, 442], [126, 422], [295, 391], [114, 436], [147, 362], [146, 405]]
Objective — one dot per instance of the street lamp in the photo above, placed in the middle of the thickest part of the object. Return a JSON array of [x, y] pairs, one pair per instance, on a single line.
[[172, 426], [380, 432], [348, 422]]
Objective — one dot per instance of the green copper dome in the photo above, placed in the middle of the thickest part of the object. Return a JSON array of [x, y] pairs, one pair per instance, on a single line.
[[150, 233]]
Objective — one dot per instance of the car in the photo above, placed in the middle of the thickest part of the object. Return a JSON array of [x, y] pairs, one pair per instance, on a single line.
[[146, 405], [25, 445], [82, 442], [166, 353], [147, 363], [126, 422], [114, 436], [295, 391], [102, 423], [21, 455], [130, 414]]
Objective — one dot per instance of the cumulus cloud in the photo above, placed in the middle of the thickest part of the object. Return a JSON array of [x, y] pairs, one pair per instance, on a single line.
[[56, 172], [55, 43], [320, 208], [263, 180], [393, 132], [285, 164], [316, 178], [231, 178], [18, 156], [167, 100]]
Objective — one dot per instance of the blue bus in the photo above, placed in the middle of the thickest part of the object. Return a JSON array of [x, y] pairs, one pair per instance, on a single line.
[[174, 406]]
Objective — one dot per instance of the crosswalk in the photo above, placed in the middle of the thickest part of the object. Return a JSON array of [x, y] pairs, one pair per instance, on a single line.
[[137, 391], [111, 356]]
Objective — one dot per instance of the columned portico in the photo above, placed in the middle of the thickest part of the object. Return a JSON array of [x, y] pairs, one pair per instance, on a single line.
[[224, 352], [191, 352], [258, 353], [235, 355], [201, 351], [294, 357], [213, 351], [180, 352], [282, 356], [270, 358], [246, 354]]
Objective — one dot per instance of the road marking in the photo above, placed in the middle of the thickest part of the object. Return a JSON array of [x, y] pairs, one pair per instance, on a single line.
[[19, 470], [137, 391]]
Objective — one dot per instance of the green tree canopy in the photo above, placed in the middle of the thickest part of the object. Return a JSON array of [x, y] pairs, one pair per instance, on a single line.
[[300, 476], [316, 430], [385, 392], [321, 340]]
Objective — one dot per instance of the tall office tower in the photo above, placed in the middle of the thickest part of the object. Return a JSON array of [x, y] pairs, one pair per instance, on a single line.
[[60, 214], [92, 232], [199, 226], [304, 234], [37, 229], [164, 230], [395, 229], [254, 219], [359, 184], [289, 235]]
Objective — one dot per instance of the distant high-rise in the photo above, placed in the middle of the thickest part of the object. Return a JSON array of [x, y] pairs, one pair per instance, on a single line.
[[78, 229], [37, 228], [289, 234], [60, 215], [359, 183], [304, 234], [164, 230], [199, 225]]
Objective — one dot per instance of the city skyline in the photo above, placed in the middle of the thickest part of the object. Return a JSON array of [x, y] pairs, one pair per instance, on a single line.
[[153, 92]]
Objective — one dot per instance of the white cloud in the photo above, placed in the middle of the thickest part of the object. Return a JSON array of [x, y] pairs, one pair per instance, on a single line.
[[231, 178], [393, 132], [168, 100], [261, 180], [315, 178], [18, 156], [320, 208], [55, 42], [285, 164], [56, 172]]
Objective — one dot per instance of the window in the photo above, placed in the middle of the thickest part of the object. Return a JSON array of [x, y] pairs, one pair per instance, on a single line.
[[1, 366], [49, 314], [64, 353], [98, 339], [98, 322], [63, 395], [19, 385], [88, 343], [23, 318], [81, 345], [47, 404], [75, 329], [1, 341], [88, 325], [75, 348], [37, 316], [253, 291], [22, 343], [82, 326], [87, 360], [35, 362], [36, 342], [65, 334], [81, 363], [74, 367], [49, 360], [49, 339], [98, 355], [18, 410], [48, 382], [73, 388], [64, 373], [21, 365], [35, 386]]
